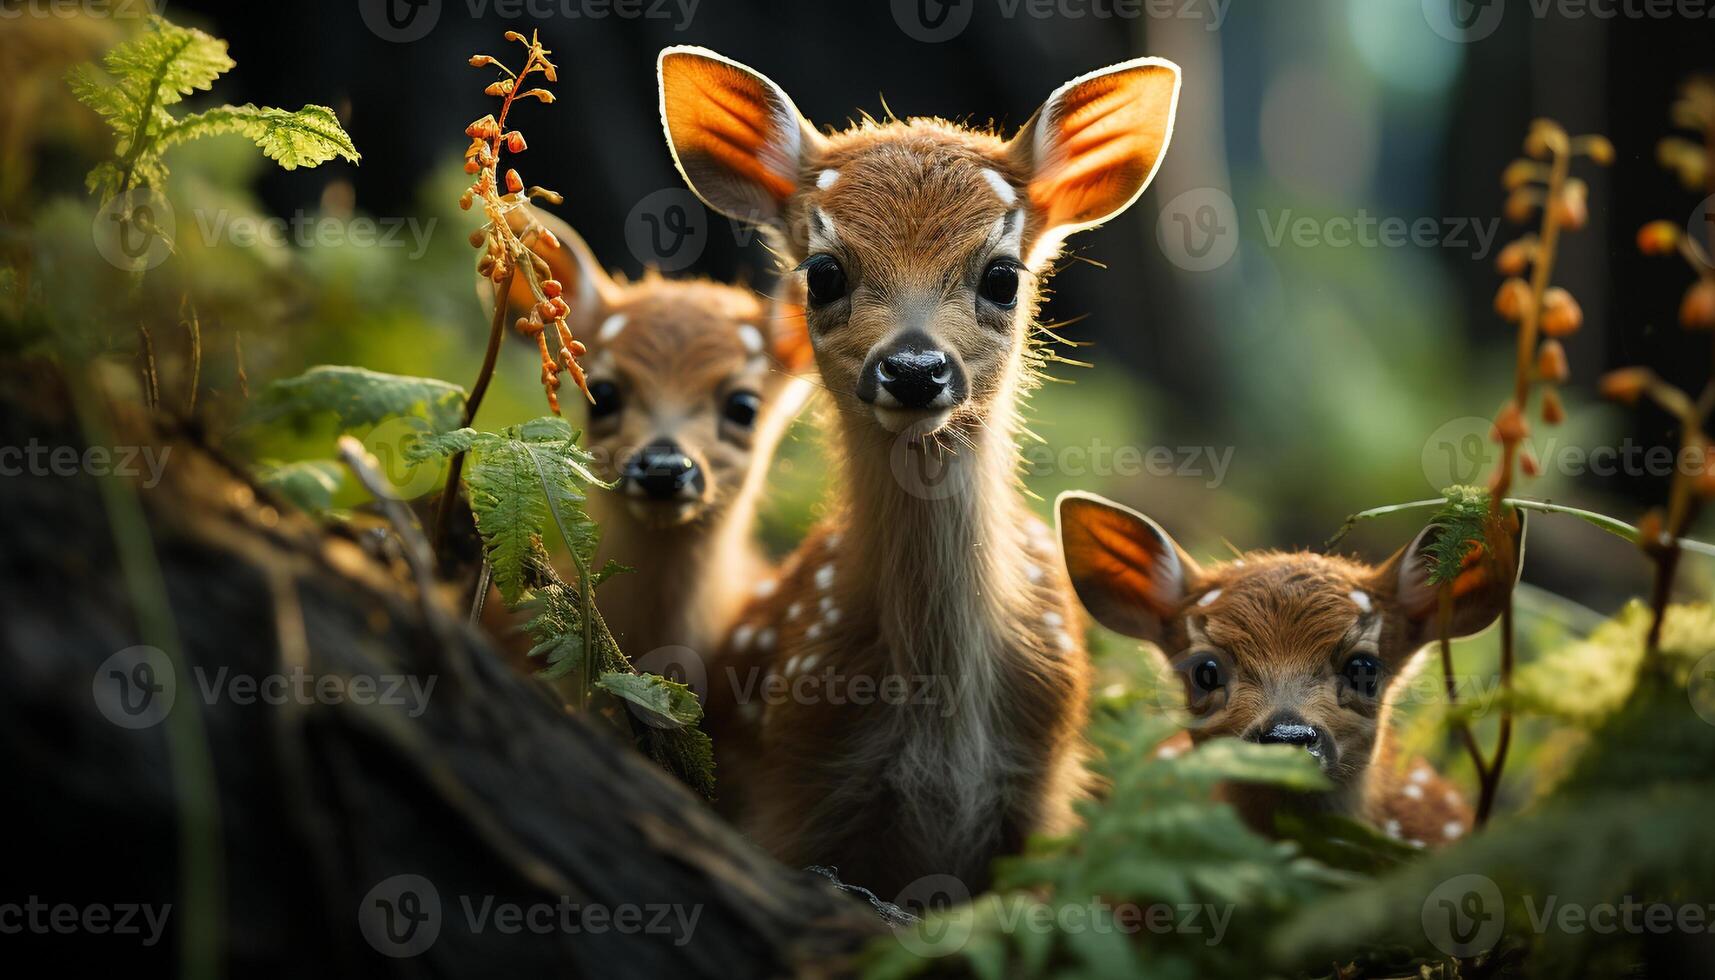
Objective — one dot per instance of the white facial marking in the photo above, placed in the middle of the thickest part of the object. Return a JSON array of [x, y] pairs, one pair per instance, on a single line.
[[825, 577], [1362, 598], [1209, 597], [826, 178], [610, 327], [1001, 188], [822, 234], [1008, 234], [750, 337]]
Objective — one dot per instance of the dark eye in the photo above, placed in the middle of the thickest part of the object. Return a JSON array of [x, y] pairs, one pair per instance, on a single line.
[[825, 279], [741, 408], [604, 399], [1206, 676], [1000, 283], [1364, 673]]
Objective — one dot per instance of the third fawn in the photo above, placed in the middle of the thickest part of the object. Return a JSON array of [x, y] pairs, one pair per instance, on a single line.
[[907, 697], [1302, 649], [693, 384]]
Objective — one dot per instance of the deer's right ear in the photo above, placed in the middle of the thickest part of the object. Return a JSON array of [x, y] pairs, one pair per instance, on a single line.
[[736, 137], [1127, 571], [588, 289]]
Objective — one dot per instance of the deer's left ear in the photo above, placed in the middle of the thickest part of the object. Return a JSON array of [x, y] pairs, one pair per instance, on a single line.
[[736, 137], [1480, 590], [1096, 144], [1127, 571]]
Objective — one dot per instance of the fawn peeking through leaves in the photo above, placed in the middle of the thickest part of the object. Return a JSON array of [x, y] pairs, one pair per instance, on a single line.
[[692, 385], [1301, 649], [906, 698]]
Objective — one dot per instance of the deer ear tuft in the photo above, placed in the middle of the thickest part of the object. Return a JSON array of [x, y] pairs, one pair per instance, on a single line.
[[1127, 571], [736, 137], [1096, 144], [1480, 590]]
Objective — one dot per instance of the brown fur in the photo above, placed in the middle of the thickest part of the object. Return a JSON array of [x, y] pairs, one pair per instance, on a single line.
[[951, 594]]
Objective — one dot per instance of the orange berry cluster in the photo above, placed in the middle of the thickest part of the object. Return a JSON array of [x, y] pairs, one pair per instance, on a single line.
[[511, 251]]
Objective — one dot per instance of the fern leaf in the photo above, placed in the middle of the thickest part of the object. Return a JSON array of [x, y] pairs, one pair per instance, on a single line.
[[664, 703], [168, 60], [306, 138], [359, 397]]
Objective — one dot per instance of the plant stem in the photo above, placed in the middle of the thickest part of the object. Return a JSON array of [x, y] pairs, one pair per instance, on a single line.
[[496, 332]]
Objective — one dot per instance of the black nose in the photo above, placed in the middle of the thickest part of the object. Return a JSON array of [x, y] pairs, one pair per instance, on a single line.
[[1288, 730], [663, 471], [914, 376]]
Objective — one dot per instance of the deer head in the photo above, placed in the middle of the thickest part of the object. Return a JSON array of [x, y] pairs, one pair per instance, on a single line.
[[693, 382], [1300, 649], [922, 244]]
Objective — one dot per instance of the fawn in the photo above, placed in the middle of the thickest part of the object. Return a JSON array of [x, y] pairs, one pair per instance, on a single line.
[[692, 385], [1301, 649], [935, 693]]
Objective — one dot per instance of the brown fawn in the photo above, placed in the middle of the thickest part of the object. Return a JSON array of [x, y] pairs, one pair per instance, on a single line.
[[692, 385], [1300, 649], [906, 697]]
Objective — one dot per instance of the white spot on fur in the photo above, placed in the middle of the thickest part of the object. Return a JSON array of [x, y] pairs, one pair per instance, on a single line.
[[1033, 573], [1415, 843], [1209, 597], [742, 636], [814, 632], [1065, 641], [825, 603], [1053, 620], [793, 610], [766, 587], [1362, 598], [1453, 830], [1169, 751], [750, 337], [610, 327], [1412, 791], [1393, 829], [1001, 188], [792, 666], [833, 540], [826, 178], [1421, 774], [765, 639], [1453, 799], [810, 662], [825, 577], [832, 615]]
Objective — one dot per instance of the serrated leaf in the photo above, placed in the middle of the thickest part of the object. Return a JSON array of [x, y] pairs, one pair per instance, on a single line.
[[171, 60], [305, 138], [664, 703], [358, 397]]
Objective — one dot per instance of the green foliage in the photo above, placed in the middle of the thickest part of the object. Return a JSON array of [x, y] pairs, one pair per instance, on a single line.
[[161, 67], [310, 484], [1163, 880], [1462, 521], [521, 480], [664, 703], [358, 397]]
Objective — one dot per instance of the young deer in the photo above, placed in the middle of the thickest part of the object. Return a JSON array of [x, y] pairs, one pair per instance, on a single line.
[[1301, 649], [694, 382], [936, 692]]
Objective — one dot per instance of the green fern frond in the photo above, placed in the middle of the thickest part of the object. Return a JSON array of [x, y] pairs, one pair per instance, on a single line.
[[306, 138], [1462, 521], [665, 703]]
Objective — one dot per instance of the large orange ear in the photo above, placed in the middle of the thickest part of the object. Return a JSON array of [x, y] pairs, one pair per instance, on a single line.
[[1127, 571], [589, 290], [1095, 145], [788, 331], [1480, 590], [736, 137]]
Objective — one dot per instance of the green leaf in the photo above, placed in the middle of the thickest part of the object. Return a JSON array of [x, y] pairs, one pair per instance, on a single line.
[[171, 60], [306, 138], [1462, 522], [309, 484], [358, 397], [664, 703]]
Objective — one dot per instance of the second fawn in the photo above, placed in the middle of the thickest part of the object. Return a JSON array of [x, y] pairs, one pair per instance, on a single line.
[[693, 384], [1295, 648], [906, 698]]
